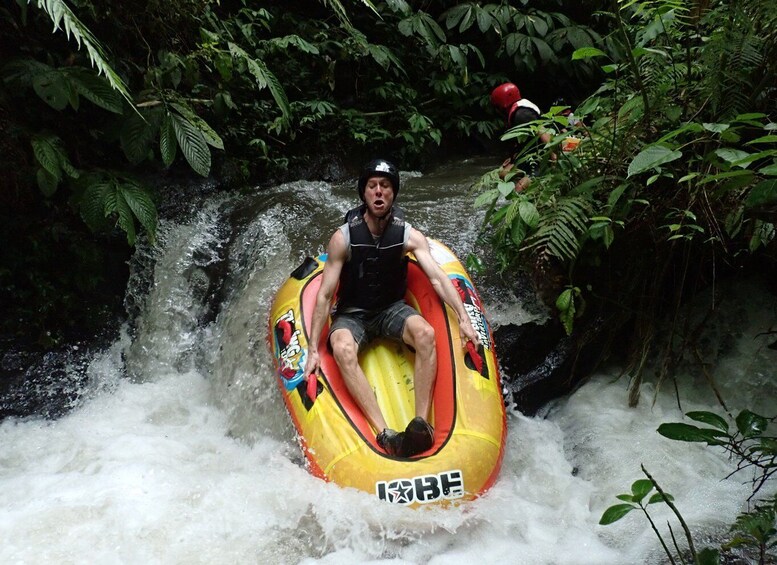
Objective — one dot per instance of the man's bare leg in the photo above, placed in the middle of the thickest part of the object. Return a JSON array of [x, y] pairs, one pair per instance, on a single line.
[[345, 352], [419, 334]]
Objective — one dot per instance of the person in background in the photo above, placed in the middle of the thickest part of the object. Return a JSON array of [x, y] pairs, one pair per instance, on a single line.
[[367, 263], [507, 99]]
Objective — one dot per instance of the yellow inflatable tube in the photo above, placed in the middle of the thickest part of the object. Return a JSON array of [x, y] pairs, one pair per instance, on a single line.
[[468, 412]]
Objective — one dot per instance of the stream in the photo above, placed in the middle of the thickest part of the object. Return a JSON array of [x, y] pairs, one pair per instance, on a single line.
[[178, 448]]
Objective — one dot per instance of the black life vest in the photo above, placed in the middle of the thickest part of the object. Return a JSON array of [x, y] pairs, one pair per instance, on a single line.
[[375, 276]]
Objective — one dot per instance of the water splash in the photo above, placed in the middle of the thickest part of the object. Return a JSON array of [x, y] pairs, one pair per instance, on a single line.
[[193, 459]]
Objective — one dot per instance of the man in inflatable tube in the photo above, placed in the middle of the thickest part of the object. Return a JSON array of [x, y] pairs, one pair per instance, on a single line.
[[367, 257]]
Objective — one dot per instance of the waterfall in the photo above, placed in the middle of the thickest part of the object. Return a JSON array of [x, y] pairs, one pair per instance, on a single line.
[[179, 448]]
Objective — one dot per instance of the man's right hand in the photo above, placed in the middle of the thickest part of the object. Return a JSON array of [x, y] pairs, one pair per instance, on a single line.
[[312, 363]]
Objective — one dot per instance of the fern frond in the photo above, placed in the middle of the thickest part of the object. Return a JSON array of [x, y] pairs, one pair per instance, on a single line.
[[264, 78], [95, 89], [64, 19], [559, 229]]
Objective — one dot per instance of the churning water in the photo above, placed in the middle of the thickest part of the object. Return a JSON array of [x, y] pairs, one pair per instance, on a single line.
[[180, 449]]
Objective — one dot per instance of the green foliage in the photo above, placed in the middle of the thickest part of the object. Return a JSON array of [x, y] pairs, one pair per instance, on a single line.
[[110, 200], [570, 305], [748, 442], [54, 163], [190, 85], [635, 500], [667, 177], [64, 19], [60, 87], [756, 529]]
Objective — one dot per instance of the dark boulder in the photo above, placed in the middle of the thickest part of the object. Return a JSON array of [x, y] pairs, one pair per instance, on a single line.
[[539, 362]]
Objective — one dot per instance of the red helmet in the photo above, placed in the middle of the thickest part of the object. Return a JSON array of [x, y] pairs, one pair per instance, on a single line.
[[505, 95]]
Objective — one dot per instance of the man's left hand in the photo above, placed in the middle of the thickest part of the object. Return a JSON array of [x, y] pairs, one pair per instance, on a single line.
[[468, 333]]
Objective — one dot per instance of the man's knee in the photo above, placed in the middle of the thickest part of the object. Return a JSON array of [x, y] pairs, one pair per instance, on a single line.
[[421, 333], [344, 347]]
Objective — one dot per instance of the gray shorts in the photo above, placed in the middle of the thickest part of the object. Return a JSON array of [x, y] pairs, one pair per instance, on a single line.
[[366, 325]]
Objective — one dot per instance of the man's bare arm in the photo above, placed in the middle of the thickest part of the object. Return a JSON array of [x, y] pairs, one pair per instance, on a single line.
[[336, 251], [442, 285]]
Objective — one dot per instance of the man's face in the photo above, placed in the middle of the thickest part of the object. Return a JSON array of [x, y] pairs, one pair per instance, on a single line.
[[378, 195]]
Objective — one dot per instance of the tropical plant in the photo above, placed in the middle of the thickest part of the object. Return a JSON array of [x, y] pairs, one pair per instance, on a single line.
[[749, 443], [751, 448], [235, 90], [62, 87], [756, 530], [664, 185], [636, 500], [65, 20]]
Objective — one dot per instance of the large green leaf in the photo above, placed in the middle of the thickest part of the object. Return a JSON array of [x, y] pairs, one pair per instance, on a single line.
[[517, 231], [709, 418], [53, 89], [63, 18], [108, 197], [485, 20], [487, 198], [125, 219], [658, 497], [264, 79], [208, 133], [47, 183], [615, 513], [137, 133], [687, 432], [46, 152], [764, 192], [640, 489], [751, 424], [139, 201], [92, 204], [587, 53], [96, 89], [731, 155], [543, 50], [652, 157], [456, 15], [192, 144], [167, 141], [529, 214]]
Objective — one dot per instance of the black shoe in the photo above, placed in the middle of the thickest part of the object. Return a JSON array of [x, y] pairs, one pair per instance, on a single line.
[[390, 441], [419, 436]]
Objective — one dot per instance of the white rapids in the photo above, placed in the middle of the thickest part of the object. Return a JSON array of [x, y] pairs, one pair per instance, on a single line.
[[180, 450]]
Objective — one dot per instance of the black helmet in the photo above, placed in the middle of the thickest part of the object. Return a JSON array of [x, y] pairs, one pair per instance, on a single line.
[[379, 168]]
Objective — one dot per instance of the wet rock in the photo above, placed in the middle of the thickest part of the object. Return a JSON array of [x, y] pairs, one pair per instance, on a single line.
[[539, 363], [42, 383]]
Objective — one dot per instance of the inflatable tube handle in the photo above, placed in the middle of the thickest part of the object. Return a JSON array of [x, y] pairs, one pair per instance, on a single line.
[[475, 356], [312, 387]]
